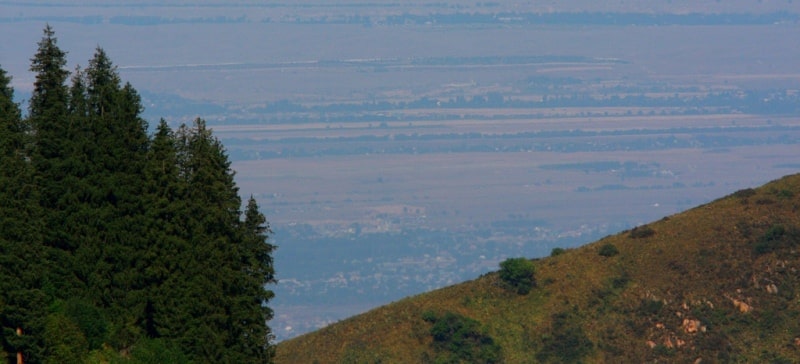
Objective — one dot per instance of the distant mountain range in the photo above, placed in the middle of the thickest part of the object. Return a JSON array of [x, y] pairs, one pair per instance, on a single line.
[[442, 18]]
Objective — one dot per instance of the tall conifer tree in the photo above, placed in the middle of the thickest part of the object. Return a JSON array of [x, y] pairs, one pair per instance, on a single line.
[[202, 305], [145, 240], [49, 98], [165, 230], [22, 257], [117, 153], [252, 335], [47, 114]]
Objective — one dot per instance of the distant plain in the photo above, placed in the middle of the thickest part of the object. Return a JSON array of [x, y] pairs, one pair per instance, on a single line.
[[372, 203]]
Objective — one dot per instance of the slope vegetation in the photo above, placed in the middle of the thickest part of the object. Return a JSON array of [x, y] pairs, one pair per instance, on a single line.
[[718, 283]]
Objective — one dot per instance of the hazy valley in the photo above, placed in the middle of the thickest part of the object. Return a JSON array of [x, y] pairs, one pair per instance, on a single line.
[[400, 148]]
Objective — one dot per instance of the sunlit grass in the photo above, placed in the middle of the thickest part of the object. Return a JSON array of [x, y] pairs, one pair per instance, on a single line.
[[693, 287]]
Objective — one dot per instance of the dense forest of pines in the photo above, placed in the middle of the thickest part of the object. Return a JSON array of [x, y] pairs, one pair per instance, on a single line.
[[117, 246]]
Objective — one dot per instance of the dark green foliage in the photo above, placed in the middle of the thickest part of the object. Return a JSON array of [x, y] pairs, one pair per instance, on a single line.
[[608, 250], [215, 313], [663, 351], [23, 258], [641, 232], [429, 316], [461, 339], [258, 270], [773, 358], [49, 98], [720, 323], [567, 342], [785, 194], [64, 340], [650, 307], [557, 251], [145, 250], [358, 353], [9, 111], [155, 351], [518, 274], [90, 321], [620, 281], [775, 238]]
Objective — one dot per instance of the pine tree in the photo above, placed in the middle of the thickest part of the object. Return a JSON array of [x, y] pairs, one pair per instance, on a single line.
[[212, 207], [22, 266], [165, 230], [49, 98], [51, 147], [9, 111], [47, 115], [215, 307], [145, 241], [251, 313], [116, 153], [78, 100], [104, 84]]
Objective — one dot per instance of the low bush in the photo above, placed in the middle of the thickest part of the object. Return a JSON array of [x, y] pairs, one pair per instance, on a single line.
[[621, 281], [785, 194], [461, 339], [641, 232], [557, 251], [649, 307], [608, 250], [518, 274], [567, 342], [776, 237]]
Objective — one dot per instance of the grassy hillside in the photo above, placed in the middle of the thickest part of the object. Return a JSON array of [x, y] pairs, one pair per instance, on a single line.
[[718, 283]]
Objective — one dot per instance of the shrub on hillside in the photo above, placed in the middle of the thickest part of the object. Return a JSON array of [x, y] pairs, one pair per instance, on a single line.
[[649, 307], [566, 343], [557, 251], [517, 274], [641, 232], [777, 237], [608, 250], [785, 194], [461, 339]]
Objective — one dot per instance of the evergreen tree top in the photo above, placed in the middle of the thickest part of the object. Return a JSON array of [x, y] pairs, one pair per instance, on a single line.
[[5, 84], [7, 105], [48, 64]]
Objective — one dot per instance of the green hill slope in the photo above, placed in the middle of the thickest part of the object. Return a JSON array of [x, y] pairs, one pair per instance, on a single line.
[[718, 283]]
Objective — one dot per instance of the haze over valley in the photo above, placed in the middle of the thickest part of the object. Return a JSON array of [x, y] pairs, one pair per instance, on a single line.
[[400, 147]]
